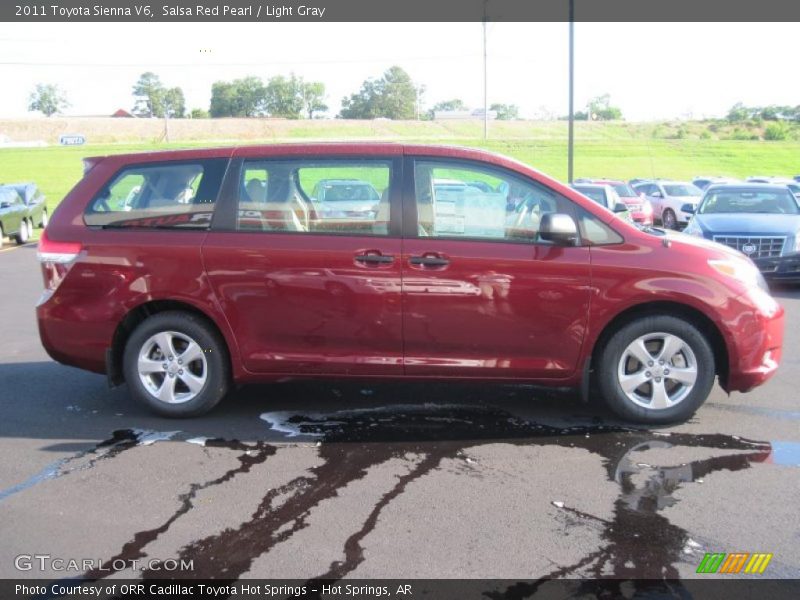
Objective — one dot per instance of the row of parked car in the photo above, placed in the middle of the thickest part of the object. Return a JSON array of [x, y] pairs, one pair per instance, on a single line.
[[759, 216], [22, 209]]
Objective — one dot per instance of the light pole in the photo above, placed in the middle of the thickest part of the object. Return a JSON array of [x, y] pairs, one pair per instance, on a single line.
[[485, 84], [571, 134]]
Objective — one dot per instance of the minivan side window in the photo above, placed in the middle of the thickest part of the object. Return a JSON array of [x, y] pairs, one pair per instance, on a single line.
[[165, 195], [457, 200], [344, 197]]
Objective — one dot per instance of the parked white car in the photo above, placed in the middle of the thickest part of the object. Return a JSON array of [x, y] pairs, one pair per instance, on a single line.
[[667, 198]]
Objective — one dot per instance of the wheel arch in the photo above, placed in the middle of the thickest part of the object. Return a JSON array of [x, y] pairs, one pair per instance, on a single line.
[[136, 316], [691, 314]]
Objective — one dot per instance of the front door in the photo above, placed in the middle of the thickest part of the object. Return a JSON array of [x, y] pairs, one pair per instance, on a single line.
[[306, 265], [483, 295]]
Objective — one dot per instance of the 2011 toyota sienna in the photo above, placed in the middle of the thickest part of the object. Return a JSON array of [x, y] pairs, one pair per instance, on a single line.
[[184, 272]]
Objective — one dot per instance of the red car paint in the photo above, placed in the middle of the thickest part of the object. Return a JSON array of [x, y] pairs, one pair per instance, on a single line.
[[301, 305]]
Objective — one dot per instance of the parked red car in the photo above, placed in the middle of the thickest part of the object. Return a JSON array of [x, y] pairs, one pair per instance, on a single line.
[[184, 272], [639, 207]]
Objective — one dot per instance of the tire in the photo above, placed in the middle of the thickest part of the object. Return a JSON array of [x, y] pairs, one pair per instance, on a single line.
[[668, 392], [668, 219], [24, 233], [45, 219], [193, 387], [2, 234]]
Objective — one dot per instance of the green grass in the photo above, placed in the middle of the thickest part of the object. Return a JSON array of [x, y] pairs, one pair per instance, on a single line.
[[618, 150]]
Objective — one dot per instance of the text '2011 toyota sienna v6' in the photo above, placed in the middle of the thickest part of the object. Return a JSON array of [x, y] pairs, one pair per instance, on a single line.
[[181, 273]]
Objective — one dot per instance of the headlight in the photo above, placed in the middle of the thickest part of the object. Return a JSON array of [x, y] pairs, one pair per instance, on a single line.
[[647, 208], [741, 270]]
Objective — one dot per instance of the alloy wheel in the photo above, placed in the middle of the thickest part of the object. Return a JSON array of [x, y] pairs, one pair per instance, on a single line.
[[657, 371], [172, 367]]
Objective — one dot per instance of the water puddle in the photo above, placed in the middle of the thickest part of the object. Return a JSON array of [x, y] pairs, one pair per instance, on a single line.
[[638, 542]]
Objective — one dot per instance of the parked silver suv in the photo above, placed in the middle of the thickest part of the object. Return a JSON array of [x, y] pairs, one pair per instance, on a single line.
[[668, 199]]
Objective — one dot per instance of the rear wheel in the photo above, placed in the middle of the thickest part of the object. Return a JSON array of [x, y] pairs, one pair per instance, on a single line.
[[176, 364], [657, 369], [24, 233], [668, 219]]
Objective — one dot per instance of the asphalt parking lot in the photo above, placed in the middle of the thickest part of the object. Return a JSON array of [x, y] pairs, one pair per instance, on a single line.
[[307, 480]]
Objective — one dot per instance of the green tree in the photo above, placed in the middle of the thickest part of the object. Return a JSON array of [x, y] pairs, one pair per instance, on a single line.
[[600, 109], [170, 103], [738, 112], [505, 112], [776, 131], [284, 97], [454, 104], [393, 96], [199, 113], [148, 93], [314, 98], [47, 98], [238, 98]]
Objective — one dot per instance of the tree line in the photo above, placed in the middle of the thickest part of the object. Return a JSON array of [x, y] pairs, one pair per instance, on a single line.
[[739, 112], [393, 95]]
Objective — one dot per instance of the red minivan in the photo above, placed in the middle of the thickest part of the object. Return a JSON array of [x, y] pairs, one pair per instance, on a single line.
[[181, 273]]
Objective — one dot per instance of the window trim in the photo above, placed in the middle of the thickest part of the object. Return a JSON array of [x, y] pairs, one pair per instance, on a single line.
[[225, 217], [158, 163], [410, 217]]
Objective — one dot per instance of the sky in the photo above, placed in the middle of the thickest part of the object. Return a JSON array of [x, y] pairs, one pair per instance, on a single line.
[[652, 71]]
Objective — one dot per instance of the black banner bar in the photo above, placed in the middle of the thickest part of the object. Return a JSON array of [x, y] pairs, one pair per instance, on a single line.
[[731, 588], [400, 11]]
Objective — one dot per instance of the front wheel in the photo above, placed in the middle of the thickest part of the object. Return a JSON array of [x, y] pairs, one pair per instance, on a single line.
[[669, 220], [24, 232], [176, 364], [657, 369]]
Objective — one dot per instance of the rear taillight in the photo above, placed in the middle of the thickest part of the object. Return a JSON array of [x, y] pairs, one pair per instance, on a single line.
[[56, 259]]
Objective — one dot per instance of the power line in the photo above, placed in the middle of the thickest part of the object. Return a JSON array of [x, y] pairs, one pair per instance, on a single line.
[[236, 64]]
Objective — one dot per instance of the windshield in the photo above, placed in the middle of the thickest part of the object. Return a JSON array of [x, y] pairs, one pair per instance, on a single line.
[[683, 190], [767, 202], [624, 190]]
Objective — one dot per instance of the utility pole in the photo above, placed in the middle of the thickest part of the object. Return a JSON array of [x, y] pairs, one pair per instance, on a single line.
[[485, 82], [571, 135]]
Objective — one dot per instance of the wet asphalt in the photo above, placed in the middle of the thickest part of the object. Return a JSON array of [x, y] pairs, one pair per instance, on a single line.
[[354, 480]]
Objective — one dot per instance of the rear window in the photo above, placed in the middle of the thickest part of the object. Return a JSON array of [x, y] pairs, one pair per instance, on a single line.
[[165, 195], [624, 190], [680, 190], [595, 194]]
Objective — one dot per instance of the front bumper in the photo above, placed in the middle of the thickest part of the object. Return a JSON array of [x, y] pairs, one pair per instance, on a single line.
[[781, 267], [757, 346]]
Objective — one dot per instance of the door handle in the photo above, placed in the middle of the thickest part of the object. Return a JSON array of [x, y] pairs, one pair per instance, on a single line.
[[374, 258], [429, 260]]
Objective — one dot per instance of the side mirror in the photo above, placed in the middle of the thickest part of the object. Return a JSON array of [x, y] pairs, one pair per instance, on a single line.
[[688, 208], [558, 228], [620, 207]]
